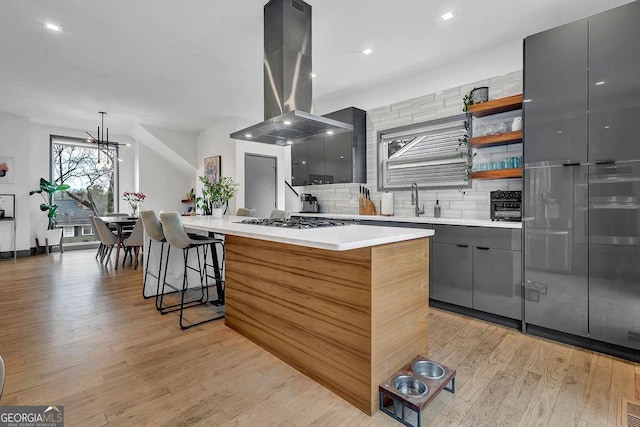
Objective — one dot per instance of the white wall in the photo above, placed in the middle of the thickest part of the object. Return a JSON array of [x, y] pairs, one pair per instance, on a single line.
[[15, 142], [163, 184]]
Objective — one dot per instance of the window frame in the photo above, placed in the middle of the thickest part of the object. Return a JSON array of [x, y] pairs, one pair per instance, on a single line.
[[383, 136]]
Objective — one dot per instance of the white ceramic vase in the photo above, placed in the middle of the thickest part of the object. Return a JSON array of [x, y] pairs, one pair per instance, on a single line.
[[216, 213]]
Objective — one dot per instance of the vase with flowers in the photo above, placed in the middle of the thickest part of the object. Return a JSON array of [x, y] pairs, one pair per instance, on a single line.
[[134, 200], [215, 195]]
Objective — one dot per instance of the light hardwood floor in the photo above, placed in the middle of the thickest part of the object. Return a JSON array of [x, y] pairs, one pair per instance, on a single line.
[[75, 334]]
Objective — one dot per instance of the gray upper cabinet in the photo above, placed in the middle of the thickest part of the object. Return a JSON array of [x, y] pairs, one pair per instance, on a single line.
[[299, 174], [333, 159], [614, 84], [555, 95]]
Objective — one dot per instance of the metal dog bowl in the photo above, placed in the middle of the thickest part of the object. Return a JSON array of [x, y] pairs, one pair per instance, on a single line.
[[428, 369], [410, 386]]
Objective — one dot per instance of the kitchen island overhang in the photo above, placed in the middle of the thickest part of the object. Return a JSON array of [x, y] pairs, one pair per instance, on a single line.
[[346, 306]]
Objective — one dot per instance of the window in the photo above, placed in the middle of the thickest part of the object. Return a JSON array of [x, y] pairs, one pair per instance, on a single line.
[[428, 154], [92, 177], [68, 231]]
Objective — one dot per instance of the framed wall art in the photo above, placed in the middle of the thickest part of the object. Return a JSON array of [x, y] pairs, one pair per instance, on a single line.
[[6, 170], [212, 168]]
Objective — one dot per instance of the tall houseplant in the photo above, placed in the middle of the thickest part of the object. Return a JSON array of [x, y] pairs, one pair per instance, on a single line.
[[52, 235], [51, 209], [215, 195]]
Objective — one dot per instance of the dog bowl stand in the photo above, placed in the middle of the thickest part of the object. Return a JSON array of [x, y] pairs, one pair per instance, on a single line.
[[406, 409]]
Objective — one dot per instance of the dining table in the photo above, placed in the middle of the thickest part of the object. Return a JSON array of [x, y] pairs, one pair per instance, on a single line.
[[121, 223]]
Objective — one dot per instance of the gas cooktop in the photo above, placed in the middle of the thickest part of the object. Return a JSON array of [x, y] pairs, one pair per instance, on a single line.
[[294, 222]]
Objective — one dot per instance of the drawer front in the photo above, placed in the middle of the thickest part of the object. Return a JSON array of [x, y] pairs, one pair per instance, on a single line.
[[488, 237]]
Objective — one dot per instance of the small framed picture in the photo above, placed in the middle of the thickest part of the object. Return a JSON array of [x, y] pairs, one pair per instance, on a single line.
[[6, 170], [212, 168]]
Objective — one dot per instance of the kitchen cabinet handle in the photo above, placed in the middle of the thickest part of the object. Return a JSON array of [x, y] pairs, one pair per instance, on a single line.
[[462, 246], [571, 164], [605, 162], [482, 248]]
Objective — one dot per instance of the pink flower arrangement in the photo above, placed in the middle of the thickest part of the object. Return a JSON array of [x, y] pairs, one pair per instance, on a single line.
[[134, 199]]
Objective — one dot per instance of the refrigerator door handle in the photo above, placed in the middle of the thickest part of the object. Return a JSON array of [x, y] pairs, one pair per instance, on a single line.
[[605, 162]]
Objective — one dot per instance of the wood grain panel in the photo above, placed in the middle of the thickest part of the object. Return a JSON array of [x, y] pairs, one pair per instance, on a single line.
[[399, 300], [309, 307], [496, 106]]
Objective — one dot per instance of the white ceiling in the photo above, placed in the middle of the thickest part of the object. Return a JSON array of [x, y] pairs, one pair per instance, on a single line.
[[187, 65]]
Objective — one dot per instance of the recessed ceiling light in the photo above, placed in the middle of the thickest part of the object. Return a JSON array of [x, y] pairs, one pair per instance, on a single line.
[[367, 51], [342, 157], [329, 132], [287, 122], [304, 163], [247, 135], [289, 142], [313, 75], [52, 27], [607, 127], [447, 16], [600, 83]]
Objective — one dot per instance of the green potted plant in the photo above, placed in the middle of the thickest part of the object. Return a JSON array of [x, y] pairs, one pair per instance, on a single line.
[[215, 195], [51, 234]]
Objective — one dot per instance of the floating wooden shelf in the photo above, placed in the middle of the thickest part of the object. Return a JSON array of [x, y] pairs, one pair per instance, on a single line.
[[187, 201], [496, 106], [497, 174], [498, 139]]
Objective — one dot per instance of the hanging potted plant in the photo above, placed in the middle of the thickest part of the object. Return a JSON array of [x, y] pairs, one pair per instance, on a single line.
[[51, 234], [216, 195]]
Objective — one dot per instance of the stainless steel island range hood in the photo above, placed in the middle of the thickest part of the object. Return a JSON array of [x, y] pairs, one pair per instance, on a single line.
[[287, 79]]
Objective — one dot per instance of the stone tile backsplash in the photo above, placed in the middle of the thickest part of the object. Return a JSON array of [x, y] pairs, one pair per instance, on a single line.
[[470, 202]]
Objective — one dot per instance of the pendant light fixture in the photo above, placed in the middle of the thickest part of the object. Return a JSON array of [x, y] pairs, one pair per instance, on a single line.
[[104, 143]]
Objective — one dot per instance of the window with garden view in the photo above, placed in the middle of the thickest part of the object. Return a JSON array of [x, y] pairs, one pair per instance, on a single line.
[[92, 178]]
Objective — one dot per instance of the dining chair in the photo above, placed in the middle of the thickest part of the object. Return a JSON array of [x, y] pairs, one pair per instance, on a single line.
[[95, 232], [279, 214], [2, 376], [107, 237], [245, 212], [133, 243], [178, 238]]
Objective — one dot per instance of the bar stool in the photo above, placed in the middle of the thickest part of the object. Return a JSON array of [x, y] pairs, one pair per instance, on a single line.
[[153, 230], [178, 238]]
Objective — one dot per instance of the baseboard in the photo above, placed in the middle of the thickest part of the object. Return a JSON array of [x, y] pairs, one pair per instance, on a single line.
[[482, 315], [587, 343]]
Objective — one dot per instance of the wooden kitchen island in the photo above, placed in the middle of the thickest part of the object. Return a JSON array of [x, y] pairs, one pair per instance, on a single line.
[[347, 306]]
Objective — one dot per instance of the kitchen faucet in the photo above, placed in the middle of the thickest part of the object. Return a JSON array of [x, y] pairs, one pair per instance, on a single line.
[[415, 200]]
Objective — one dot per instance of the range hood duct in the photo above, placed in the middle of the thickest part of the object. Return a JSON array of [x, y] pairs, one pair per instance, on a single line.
[[287, 79]]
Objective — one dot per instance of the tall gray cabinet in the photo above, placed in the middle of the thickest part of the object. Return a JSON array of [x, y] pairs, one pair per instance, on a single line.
[[582, 178]]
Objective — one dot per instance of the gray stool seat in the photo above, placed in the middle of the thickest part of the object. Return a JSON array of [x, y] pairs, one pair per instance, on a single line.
[[177, 237]]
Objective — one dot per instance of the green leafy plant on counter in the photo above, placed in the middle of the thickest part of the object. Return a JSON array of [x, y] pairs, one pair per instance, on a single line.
[[215, 194], [51, 209]]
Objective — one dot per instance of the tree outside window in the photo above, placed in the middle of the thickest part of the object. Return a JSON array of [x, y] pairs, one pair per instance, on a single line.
[[92, 183]]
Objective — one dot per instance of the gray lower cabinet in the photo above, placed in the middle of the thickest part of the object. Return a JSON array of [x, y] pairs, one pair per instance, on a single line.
[[497, 281], [479, 268], [451, 274]]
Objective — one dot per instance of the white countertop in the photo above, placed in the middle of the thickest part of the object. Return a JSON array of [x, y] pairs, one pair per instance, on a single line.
[[341, 238], [420, 219]]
